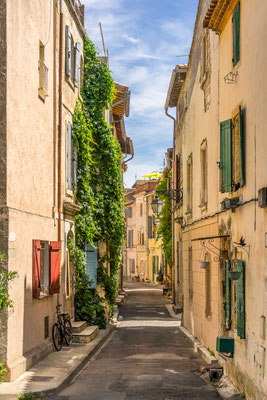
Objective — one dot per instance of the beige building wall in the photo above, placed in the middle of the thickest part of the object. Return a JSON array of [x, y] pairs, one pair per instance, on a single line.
[[31, 165]]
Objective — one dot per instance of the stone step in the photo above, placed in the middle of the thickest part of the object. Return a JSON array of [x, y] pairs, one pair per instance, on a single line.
[[78, 326], [87, 335]]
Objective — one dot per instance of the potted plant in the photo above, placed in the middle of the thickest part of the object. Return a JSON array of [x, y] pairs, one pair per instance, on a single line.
[[159, 278], [137, 278]]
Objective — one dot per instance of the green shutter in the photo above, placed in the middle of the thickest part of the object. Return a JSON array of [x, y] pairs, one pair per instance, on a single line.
[[67, 50], [77, 64], [240, 298], [236, 34], [242, 148], [226, 155], [227, 304], [149, 222], [157, 258], [153, 267]]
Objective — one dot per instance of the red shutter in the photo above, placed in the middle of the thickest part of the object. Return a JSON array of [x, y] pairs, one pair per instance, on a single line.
[[36, 268], [54, 267]]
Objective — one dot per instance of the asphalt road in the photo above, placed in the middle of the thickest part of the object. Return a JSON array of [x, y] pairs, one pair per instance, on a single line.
[[146, 358]]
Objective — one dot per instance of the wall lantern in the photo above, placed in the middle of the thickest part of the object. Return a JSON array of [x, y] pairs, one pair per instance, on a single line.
[[156, 205]]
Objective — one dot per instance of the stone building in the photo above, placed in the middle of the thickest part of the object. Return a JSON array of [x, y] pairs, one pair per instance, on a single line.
[[220, 227], [41, 51]]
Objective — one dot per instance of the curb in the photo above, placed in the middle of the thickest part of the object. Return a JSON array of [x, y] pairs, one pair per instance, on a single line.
[[95, 345], [198, 347]]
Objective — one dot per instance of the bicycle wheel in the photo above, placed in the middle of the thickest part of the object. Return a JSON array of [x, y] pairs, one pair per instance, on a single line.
[[68, 332], [57, 337]]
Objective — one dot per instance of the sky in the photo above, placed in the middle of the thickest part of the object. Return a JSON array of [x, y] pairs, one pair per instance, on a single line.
[[144, 38]]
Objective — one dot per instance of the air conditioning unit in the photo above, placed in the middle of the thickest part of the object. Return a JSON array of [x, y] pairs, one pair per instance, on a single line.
[[262, 197], [230, 204]]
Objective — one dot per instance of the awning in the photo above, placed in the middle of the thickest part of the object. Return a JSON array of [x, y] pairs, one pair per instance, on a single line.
[[121, 103]]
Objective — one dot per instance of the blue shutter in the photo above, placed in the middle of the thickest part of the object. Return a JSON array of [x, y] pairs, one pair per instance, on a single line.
[[69, 156], [67, 50], [77, 64], [91, 263]]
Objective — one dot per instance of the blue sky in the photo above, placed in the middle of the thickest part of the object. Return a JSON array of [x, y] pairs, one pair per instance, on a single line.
[[143, 38]]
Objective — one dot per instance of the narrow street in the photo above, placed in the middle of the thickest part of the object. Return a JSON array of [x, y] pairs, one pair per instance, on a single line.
[[146, 357]]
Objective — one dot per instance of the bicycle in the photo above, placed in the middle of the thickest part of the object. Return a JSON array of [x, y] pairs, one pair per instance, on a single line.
[[62, 329]]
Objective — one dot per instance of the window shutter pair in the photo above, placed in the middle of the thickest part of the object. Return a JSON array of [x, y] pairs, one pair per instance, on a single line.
[[54, 268], [236, 34], [240, 298], [226, 153], [150, 227]]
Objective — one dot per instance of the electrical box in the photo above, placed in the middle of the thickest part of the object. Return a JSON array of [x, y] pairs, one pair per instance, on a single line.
[[225, 345], [262, 197]]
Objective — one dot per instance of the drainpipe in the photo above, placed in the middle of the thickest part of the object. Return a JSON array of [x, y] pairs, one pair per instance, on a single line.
[[173, 241], [60, 119]]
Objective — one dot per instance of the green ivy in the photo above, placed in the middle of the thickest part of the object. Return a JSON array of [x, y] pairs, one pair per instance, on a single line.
[[99, 181], [5, 278], [164, 231]]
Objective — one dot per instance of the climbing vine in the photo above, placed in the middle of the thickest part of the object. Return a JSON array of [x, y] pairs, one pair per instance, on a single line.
[[99, 183], [164, 230]]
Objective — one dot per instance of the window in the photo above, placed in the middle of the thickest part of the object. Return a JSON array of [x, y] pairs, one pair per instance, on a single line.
[[141, 238], [232, 153], [46, 268], [132, 266], [43, 73], [150, 227], [130, 238], [71, 160], [204, 173], [67, 51], [236, 34], [141, 210], [189, 168], [128, 212], [76, 64]]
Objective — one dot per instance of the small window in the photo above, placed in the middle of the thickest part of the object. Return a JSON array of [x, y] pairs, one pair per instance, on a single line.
[[204, 173], [130, 238], [236, 34], [43, 73], [132, 266], [141, 210], [45, 267]]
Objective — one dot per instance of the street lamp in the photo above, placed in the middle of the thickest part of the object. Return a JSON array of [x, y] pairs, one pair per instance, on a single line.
[[156, 205]]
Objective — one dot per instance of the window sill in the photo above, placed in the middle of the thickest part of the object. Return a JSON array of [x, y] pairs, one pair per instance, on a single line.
[[69, 193], [43, 296], [203, 206]]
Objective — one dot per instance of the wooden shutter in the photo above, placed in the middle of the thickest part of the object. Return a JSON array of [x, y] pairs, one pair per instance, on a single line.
[[242, 148], [149, 223], [157, 263], [77, 64], [74, 167], [36, 268], [91, 263], [236, 34], [240, 297], [54, 267], [226, 155], [69, 156], [174, 171], [227, 303], [67, 50]]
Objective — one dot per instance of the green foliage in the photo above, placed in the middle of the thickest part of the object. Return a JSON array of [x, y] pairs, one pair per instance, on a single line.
[[88, 305], [29, 395], [3, 371], [164, 230], [5, 278], [160, 276], [99, 182]]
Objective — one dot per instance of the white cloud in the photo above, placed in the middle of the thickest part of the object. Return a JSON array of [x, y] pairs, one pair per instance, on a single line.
[[131, 39]]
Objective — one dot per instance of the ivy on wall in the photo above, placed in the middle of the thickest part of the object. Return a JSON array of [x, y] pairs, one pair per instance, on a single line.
[[99, 180], [164, 231]]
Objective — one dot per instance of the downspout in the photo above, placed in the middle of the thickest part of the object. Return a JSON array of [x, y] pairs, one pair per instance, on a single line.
[[60, 119], [173, 241]]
